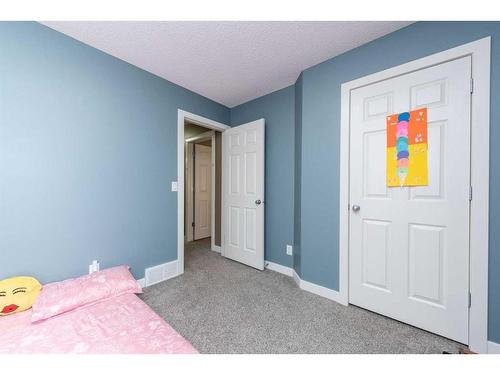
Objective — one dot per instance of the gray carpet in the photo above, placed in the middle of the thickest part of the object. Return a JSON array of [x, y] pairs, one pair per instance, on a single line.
[[221, 306]]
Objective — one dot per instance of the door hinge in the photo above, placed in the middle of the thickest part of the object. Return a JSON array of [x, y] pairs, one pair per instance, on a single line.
[[470, 300], [472, 85], [470, 193], [192, 224]]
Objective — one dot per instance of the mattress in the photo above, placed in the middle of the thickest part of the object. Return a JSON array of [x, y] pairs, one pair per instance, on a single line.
[[121, 325]]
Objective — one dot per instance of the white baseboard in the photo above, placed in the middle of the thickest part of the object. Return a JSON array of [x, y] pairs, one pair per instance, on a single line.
[[279, 268], [319, 290], [157, 274], [493, 347], [216, 248], [296, 278]]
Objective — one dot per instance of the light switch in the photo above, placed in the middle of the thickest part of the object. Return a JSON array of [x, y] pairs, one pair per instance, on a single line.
[[174, 185]]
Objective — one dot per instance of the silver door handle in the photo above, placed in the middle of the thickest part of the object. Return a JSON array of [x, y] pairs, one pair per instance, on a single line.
[[258, 201], [356, 208]]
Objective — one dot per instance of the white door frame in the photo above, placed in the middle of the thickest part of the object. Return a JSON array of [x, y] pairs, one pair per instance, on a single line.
[[182, 116], [209, 135], [480, 141]]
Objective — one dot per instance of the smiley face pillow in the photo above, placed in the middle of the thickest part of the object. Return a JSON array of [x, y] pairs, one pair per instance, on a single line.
[[18, 294]]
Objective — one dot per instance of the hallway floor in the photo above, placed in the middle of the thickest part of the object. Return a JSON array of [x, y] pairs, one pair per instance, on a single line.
[[222, 306]]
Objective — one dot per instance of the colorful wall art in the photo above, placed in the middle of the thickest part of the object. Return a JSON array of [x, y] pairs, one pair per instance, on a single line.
[[407, 149]]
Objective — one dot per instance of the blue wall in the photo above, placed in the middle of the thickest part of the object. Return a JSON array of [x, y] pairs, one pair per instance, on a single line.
[[321, 133], [277, 109], [88, 148]]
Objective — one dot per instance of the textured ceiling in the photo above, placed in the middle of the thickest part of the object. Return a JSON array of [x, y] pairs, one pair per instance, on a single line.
[[229, 62]]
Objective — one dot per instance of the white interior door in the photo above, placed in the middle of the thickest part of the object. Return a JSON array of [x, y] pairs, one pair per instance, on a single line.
[[202, 191], [243, 193], [188, 192], [409, 247]]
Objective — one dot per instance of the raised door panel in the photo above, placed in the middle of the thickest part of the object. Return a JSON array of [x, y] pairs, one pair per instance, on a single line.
[[376, 254], [426, 249]]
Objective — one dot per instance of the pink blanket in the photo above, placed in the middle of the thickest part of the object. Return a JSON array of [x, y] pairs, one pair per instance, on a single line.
[[122, 325]]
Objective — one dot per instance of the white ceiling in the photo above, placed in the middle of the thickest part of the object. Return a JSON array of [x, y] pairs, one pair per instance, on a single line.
[[229, 62]]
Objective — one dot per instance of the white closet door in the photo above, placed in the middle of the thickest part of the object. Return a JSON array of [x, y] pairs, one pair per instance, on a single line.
[[409, 247]]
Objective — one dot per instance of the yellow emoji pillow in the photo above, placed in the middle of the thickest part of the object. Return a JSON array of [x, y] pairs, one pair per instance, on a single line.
[[18, 294]]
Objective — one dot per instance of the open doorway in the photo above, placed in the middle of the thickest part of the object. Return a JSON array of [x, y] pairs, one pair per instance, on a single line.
[[241, 200], [190, 129], [202, 188]]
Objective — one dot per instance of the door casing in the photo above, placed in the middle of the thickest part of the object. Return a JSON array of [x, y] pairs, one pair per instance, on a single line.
[[480, 110]]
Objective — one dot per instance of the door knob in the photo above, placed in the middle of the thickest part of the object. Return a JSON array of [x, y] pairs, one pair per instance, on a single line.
[[355, 208], [258, 201]]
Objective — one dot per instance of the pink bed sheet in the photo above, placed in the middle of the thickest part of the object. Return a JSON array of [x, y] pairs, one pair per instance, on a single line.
[[121, 325]]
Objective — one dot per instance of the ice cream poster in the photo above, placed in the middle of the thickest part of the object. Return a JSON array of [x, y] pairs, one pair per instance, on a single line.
[[407, 149]]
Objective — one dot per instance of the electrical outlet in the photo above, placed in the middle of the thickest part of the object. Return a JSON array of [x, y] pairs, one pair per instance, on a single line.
[[289, 250], [174, 186], [94, 267]]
